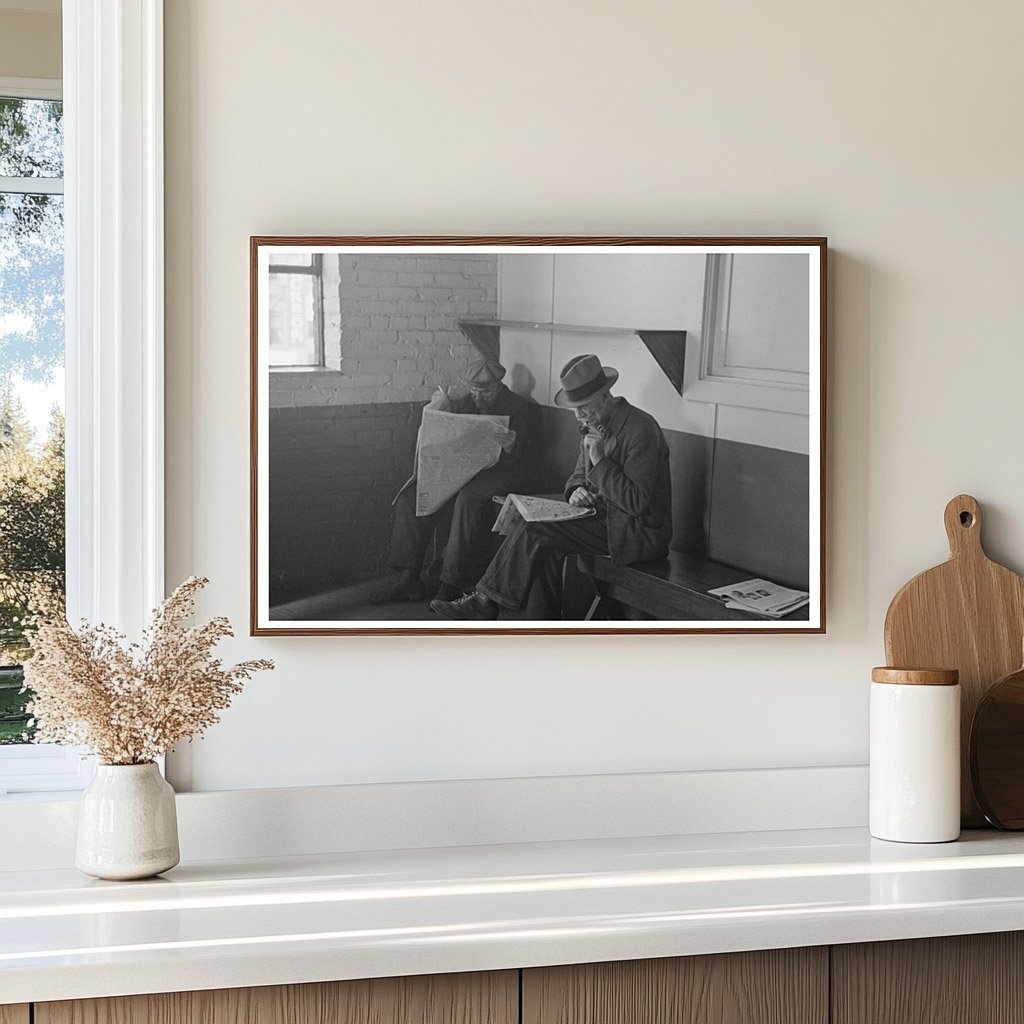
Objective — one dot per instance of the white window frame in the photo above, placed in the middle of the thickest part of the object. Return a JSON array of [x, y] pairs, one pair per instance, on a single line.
[[114, 344], [707, 378], [32, 89]]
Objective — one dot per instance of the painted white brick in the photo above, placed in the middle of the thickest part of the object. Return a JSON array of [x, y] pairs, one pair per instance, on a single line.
[[375, 277], [424, 338], [409, 379], [388, 306], [357, 291], [370, 380]]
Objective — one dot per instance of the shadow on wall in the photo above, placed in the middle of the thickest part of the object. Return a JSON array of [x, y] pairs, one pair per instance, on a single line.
[[522, 382]]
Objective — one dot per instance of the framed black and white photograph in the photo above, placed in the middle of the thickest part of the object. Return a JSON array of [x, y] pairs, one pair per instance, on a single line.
[[537, 435]]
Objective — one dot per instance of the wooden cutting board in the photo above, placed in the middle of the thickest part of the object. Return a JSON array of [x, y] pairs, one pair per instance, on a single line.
[[967, 614]]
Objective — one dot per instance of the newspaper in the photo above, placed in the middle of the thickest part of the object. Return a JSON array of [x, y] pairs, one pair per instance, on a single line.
[[763, 597], [516, 507], [451, 449]]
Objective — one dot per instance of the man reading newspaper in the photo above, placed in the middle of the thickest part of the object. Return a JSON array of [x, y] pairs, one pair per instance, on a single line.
[[470, 545], [622, 473]]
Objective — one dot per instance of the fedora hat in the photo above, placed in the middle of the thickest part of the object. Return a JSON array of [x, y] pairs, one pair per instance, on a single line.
[[584, 378], [482, 372]]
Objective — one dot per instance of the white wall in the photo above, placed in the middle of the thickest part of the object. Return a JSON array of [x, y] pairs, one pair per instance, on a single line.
[[891, 128], [659, 292], [764, 324]]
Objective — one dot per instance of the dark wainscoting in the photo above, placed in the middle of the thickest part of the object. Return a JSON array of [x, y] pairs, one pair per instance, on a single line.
[[759, 511], [740, 504], [334, 471]]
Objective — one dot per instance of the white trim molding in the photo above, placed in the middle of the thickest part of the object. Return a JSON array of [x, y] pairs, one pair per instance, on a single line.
[[113, 91], [255, 823], [33, 186]]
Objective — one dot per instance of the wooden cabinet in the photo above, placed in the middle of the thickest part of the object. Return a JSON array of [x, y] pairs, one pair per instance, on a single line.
[[972, 979], [963, 979], [491, 998], [777, 986]]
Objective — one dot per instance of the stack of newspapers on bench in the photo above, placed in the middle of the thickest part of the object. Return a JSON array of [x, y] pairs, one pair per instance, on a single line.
[[762, 597]]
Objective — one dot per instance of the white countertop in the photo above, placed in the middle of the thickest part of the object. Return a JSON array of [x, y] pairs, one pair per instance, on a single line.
[[225, 924]]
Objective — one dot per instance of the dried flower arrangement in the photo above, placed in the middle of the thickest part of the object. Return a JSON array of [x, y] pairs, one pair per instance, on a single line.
[[129, 704]]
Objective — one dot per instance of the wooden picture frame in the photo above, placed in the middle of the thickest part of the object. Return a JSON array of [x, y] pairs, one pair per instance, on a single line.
[[721, 340]]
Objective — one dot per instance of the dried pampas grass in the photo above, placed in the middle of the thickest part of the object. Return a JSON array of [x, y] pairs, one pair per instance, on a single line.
[[129, 703]]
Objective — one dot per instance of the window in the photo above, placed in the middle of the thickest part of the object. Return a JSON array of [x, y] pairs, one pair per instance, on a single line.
[[113, 339], [296, 310], [31, 382], [32, 548], [753, 346]]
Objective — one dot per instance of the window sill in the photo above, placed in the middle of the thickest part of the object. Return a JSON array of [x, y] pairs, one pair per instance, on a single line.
[[313, 370], [41, 797]]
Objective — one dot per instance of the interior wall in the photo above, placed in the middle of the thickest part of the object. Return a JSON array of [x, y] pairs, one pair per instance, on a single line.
[[891, 128], [740, 499], [30, 44], [656, 292]]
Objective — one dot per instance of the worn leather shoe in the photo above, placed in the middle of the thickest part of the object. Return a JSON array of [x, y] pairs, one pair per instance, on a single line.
[[448, 592], [474, 606]]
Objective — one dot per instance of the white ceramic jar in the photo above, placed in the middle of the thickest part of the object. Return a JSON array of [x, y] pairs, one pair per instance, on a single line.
[[915, 755], [127, 824]]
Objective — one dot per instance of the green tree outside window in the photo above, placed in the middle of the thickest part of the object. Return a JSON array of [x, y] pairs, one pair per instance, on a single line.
[[31, 353]]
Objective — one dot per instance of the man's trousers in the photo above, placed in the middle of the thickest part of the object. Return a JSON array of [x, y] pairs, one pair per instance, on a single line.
[[470, 541], [533, 555]]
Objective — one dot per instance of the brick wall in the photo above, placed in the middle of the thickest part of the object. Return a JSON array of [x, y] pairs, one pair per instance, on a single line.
[[390, 331], [342, 438]]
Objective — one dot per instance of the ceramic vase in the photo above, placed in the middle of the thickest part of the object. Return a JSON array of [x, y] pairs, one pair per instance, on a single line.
[[127, 825]]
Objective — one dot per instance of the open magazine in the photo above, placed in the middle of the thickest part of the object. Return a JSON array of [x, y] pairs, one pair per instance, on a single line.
[[516, 507], [763, 597]]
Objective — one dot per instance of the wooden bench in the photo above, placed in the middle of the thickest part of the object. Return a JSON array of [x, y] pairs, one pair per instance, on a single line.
[[672, 589]]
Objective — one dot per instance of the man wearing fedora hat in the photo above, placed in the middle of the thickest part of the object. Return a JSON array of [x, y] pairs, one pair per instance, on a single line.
[[470, 541], [622, 473]]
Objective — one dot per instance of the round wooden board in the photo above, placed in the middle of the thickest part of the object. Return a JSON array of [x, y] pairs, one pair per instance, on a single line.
[[997, 752]]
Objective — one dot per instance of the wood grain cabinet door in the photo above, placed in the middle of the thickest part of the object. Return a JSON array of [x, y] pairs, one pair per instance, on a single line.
[[484, 998], [14, 1014], [778, 986], [963, 979]]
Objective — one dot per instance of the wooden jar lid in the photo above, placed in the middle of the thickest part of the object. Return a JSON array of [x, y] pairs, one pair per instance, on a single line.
[[916, 676]]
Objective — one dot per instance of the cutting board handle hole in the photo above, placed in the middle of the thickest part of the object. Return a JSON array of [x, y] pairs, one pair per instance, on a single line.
[[966, 519]]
